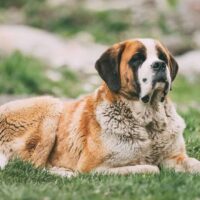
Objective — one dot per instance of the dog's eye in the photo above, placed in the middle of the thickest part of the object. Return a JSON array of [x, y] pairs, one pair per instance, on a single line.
[[163, 57], [138, 56], [137, 59]]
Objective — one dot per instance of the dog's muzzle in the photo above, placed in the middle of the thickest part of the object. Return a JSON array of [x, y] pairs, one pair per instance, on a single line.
[[159, 69], [159, 82], [160, 75]]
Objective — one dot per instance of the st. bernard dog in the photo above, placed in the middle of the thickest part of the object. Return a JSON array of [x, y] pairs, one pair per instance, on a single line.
[[127, 126]]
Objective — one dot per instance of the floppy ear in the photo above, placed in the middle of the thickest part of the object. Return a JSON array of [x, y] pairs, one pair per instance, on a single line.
[[108, 67], [173, 67]]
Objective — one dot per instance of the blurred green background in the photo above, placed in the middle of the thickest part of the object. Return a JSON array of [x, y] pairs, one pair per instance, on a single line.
[[36, 37]]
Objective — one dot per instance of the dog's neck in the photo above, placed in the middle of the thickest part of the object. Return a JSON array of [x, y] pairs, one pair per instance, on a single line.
[[144, 113], [134, 103]]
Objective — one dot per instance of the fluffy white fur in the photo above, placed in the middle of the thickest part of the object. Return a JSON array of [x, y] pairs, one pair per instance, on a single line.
[[143, 136]]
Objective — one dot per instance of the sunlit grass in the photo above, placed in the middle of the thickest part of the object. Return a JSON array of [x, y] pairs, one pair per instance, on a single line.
[[20, 74], [186, 91]]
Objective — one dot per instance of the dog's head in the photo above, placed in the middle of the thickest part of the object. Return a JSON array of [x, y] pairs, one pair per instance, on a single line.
[[138, 68]]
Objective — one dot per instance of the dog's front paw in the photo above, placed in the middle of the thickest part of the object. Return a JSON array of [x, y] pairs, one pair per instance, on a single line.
[[142, 169], [149, 169], [3, 161], [63, 172], [193, 165]]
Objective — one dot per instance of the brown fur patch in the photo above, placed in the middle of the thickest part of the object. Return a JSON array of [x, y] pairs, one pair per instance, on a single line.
[[32, 142], [128, 84], [179, 158]]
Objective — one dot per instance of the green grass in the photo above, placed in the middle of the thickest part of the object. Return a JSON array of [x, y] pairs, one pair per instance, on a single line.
[[107, 26], [184, 91], [20, 74], [16, 3], [70, 21], [172, 3]]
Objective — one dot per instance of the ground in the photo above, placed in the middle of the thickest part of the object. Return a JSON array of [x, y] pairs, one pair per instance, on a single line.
[[21, 181]]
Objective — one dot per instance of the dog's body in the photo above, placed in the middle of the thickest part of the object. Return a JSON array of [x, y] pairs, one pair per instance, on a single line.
[[114, 130]]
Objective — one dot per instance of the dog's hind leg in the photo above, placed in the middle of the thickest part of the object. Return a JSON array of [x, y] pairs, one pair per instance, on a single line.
[[43, 142], [28, 129]]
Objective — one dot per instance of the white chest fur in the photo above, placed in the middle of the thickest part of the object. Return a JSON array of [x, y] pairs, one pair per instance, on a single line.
[[135, 133]]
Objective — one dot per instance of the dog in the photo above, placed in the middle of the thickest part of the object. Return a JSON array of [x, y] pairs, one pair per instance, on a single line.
[[128, 125]]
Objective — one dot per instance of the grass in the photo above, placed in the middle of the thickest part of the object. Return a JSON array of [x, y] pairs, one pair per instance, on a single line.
[[16, 3], [20, 74], [21, 181], [185, 91], [68, 22], [107, 26]]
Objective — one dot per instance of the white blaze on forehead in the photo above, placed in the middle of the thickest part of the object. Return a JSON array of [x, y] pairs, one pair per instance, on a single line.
[[145, 71], [150, 46]]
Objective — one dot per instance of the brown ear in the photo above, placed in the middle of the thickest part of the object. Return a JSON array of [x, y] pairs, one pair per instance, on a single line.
[[173, 67], [108, 67]]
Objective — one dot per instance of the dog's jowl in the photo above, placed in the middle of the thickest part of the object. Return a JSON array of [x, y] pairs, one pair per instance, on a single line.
[[128, 125]]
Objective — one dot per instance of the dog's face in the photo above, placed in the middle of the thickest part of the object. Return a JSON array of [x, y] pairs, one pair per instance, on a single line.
[[137, 69]]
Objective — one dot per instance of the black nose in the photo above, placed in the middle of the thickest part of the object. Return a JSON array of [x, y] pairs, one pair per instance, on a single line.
[[159, 66]]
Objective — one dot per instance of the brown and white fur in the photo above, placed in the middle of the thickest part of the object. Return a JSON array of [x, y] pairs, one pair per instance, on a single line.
[[128, 125]]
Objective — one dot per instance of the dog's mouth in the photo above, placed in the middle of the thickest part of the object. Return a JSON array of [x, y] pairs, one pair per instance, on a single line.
[[160, 89], [146, 98]]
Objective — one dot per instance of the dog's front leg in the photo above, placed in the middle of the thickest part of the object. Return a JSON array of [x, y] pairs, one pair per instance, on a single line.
[[137, 169], [182, 163], [64, 172]]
